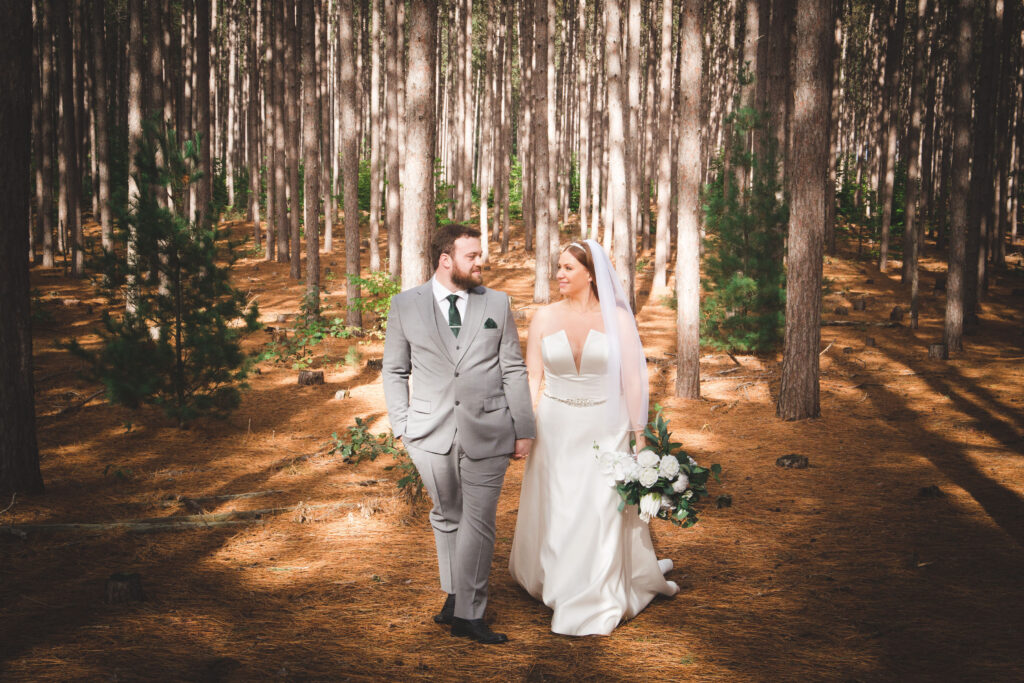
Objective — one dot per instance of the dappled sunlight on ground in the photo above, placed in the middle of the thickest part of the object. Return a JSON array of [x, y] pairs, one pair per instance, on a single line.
[[851, 569]]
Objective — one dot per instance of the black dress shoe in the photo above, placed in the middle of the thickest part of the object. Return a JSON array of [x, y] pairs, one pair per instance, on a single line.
[[477, 630], [447, 612]]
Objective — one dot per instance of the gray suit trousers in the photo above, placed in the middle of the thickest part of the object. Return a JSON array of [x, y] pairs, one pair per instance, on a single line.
[[462, 490]]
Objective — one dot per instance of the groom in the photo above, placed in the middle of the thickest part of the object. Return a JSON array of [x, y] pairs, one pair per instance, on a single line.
[[469, 411]]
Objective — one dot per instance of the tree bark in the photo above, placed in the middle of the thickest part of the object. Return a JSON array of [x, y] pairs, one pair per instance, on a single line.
[[19, 452], [960, 169], [393, 215], [618, 102], [311, 155], [911, 243], [280, 168], [418, 210], [294, 132], [540, 144], [349, 155], [663, 233], [375, 138], [102, 138], [47, 105], [203, 127], [799, 390], [890, 129], [68, 154], [688, 241], [253, 133]]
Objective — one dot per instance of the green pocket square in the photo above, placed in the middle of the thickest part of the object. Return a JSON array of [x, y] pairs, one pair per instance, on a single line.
[[490, 324]]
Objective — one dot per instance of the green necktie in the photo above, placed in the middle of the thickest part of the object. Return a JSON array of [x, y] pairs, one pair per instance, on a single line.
[[454, 319]]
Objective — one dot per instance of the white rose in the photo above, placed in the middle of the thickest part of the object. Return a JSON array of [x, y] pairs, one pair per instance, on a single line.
[[693, 462], [680, 484], [649, 506], [669, 467], [647, 458], [647, 477], [631, 470]]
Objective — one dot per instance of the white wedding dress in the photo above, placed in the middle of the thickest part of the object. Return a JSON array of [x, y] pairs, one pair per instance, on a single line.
[[573, 549]]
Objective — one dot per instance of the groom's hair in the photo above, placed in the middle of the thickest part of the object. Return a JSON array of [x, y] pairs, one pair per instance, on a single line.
[[443, 241]]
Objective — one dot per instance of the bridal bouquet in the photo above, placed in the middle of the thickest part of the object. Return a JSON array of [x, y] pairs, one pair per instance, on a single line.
[[661, 480]]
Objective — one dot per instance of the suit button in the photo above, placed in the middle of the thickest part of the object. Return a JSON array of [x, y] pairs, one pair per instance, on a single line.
[[456, 403], [456, 374]]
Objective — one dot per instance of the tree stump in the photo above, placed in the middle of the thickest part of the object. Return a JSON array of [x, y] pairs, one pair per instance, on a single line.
[[869, 341], [938, 352], [860, 304], [279, 336], [896, 315], [842, 310], [940, 285], [310, 377], [123, 588]]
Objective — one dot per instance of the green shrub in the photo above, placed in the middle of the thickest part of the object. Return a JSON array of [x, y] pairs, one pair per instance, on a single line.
[[179, 346], [744, 309]]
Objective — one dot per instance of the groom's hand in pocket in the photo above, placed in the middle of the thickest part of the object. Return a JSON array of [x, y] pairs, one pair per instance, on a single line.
[[523, 447]]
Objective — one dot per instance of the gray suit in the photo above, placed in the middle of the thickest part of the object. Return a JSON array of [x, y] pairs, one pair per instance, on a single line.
[[470, 401]]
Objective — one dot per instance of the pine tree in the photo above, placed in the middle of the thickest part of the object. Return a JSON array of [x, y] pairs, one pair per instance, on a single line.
[[179, 348], [744, 309]]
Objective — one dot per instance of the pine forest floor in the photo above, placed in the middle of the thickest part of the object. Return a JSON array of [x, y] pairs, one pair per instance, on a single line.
[[852, 569]]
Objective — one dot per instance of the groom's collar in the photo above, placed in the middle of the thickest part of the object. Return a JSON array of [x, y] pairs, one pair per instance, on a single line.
[[441, 292]]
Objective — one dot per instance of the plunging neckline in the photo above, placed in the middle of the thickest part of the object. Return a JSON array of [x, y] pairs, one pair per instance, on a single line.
[[583, 349]]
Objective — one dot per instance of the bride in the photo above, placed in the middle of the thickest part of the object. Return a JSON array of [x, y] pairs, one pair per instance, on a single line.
[[573, 549]]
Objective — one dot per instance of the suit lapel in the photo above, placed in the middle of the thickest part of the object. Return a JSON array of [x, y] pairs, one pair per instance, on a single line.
[[427, 308], [476, 303]]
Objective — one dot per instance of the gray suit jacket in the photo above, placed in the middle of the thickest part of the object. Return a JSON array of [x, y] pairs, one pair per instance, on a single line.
[[476, 383]]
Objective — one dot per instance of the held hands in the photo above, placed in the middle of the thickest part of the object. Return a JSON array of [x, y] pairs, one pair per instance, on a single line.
[[523, 447]]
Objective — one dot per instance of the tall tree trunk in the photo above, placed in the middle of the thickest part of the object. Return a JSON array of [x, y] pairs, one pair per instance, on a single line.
[[229, 146], [327, 138], [632, 151], [393, 216], [375, 124], [102, 115], [19, 452], [487, 132], [960, 169], [540, 143], [663, 233], [203, 127], [688, 241], [526, 124], [890, 128], [280, 141], [779, 86], [350, 156], [294, 90], [618, 103], [549, 112], [252, 122], [418, 210], [47, 104], [68, 159], [912, 238], [466, 163], [981, 214], [799, 390], [311, 155]]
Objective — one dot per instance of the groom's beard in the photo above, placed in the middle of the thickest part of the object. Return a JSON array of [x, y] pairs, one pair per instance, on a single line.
[[466, 279]]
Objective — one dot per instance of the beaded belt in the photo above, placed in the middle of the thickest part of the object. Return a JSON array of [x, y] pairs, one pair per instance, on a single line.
[[577, 402]]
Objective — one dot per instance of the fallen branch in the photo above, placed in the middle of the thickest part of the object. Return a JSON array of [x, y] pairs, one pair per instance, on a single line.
[[180, 499], [75, 406], [13, 496], [826, 349], [223, 519], [857, 323]]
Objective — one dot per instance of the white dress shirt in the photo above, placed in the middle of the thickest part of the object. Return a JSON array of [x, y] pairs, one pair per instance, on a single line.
[[441, 294]]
